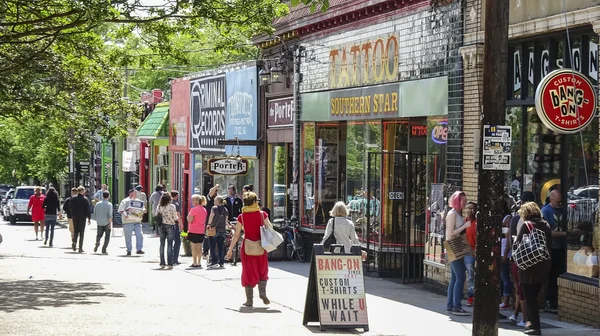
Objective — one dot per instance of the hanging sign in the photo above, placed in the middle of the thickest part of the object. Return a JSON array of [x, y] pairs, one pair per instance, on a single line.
[[496, 147], [227, 166], [336, 296], [439, 134], [565, 101]]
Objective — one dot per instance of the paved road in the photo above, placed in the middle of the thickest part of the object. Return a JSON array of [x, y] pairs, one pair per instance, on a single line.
[[54, 291]]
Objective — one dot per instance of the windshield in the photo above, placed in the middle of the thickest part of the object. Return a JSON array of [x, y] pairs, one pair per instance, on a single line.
[[26, 193]]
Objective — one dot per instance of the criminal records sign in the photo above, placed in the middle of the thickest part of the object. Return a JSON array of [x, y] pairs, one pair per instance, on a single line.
[[207, 114], [497, 147]]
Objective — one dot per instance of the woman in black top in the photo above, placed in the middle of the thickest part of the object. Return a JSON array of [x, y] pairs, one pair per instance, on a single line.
[[218, 219], [531, 279], [52, 208]]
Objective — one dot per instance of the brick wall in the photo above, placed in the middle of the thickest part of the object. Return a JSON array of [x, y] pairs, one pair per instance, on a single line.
[[578, 303]]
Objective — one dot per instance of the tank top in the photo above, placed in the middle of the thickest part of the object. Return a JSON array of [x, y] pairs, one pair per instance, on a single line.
[[459, 220]]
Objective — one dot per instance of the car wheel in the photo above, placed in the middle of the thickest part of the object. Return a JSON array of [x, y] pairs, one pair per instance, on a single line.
[[13, 220]]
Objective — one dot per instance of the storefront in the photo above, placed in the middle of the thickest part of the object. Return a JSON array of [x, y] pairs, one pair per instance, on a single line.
[[154, 131], [374, 142], [543, 159], [179, 119], [218, 113], [280, 138]]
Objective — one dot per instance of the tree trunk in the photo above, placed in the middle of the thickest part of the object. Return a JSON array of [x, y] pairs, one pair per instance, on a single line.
[[491, 182]]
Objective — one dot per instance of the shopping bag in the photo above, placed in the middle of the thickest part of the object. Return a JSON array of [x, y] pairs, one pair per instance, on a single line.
[[532, 249], [270, 238], [457, 247]]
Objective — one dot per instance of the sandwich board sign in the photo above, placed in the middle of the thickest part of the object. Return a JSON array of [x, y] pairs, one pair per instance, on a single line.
[[336, 296]]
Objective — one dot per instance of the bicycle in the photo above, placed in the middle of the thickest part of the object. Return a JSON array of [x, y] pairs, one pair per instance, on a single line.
[[235, 255], [294, 244]]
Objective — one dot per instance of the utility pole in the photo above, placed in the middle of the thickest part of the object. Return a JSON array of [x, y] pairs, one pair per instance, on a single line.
[[491, 182]]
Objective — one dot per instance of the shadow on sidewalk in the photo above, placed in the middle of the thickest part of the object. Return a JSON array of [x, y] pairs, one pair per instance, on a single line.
[[255, 310], [416, 295], [38, 294]]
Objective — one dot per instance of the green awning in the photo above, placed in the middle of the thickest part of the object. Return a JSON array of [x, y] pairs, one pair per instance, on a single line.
[[156, 124]]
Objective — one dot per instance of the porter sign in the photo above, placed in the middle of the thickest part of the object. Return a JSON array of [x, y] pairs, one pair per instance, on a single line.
[[565, 101], [227, 166]]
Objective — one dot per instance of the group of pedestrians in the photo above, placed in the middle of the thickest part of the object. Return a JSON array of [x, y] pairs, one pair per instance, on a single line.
[[528, 281]]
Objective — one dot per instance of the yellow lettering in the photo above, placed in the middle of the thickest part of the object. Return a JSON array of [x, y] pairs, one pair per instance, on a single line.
[[387, 103], [395, 101], [378, 71], [368, 104], [392, 75], [333, 111], [332, 55], [365, 75], [355, 51], [343, 71]]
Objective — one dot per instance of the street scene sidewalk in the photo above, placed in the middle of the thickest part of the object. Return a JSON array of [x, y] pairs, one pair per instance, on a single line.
[[41, 289]]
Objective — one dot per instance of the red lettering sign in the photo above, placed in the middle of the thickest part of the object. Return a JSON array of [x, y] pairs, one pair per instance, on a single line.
[[565, 101]]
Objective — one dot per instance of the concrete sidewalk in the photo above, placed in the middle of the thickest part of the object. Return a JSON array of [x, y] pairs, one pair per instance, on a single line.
[[393, 309]]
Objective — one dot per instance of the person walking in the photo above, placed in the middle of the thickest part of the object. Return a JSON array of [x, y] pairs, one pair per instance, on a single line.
[[255, 265], [153, 204], [218, 220], [210, 202], [471, 233], [166, 229], [533, 277], [455, 226], [35, 209], [196, 228], [98, 195], [67, 210], [341, 227], [234, 203], [52, 211], [132, 211], [80, 210], [178, 227], [104, 218], [506, 254], [141, 195], [553, 213]]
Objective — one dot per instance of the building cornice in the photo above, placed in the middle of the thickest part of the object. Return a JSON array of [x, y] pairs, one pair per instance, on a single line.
[[545, 25]]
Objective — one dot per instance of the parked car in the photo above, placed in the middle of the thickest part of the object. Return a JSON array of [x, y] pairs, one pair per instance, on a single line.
[[279, 200], [17, 205], [4, 204]]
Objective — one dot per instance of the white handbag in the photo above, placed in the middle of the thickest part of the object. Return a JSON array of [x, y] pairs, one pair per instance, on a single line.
[[270, 238]]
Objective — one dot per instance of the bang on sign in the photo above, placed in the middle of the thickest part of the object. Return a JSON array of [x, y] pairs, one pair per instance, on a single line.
[[565, 101]]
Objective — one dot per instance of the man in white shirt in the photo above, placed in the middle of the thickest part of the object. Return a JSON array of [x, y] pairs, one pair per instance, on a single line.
[[132, 211]]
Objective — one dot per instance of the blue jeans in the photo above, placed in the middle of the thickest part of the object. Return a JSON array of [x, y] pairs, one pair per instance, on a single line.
[[470, 265], [507, 286], [166, 231], [217, 243], [50, 222], [176, 243], [128, 229], [457, 284]]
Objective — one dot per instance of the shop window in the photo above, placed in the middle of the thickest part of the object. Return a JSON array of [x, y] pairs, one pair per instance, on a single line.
[[278, 201], [582, 203], [436, 168], [308, 174], [326, 172], [514, 177]]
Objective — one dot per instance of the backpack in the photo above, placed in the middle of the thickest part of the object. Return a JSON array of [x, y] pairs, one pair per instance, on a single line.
[[158, 219]]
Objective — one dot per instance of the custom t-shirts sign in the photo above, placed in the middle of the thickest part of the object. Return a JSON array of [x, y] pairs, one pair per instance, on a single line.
[[341, 290]]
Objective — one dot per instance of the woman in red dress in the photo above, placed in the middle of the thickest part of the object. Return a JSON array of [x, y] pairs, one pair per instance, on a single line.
[[255, 265], [36, 210]]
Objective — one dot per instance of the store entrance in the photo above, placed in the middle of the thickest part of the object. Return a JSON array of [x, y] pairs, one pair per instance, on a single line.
[[394, 230]]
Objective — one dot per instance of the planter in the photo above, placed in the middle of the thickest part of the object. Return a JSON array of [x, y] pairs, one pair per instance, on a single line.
[[187, 248]]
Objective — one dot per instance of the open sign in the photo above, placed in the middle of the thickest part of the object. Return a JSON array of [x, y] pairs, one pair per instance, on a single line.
[[439, 134]]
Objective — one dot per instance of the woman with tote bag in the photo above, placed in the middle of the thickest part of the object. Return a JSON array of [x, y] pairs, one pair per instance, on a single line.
[[341, 228], [255, 263], [455, 226]]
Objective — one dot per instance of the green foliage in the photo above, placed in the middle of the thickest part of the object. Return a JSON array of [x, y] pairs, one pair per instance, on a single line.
[[63, 62], [323, 5]]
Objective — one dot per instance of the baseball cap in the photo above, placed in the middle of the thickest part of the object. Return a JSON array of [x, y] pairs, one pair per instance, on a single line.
[[138, 187]]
